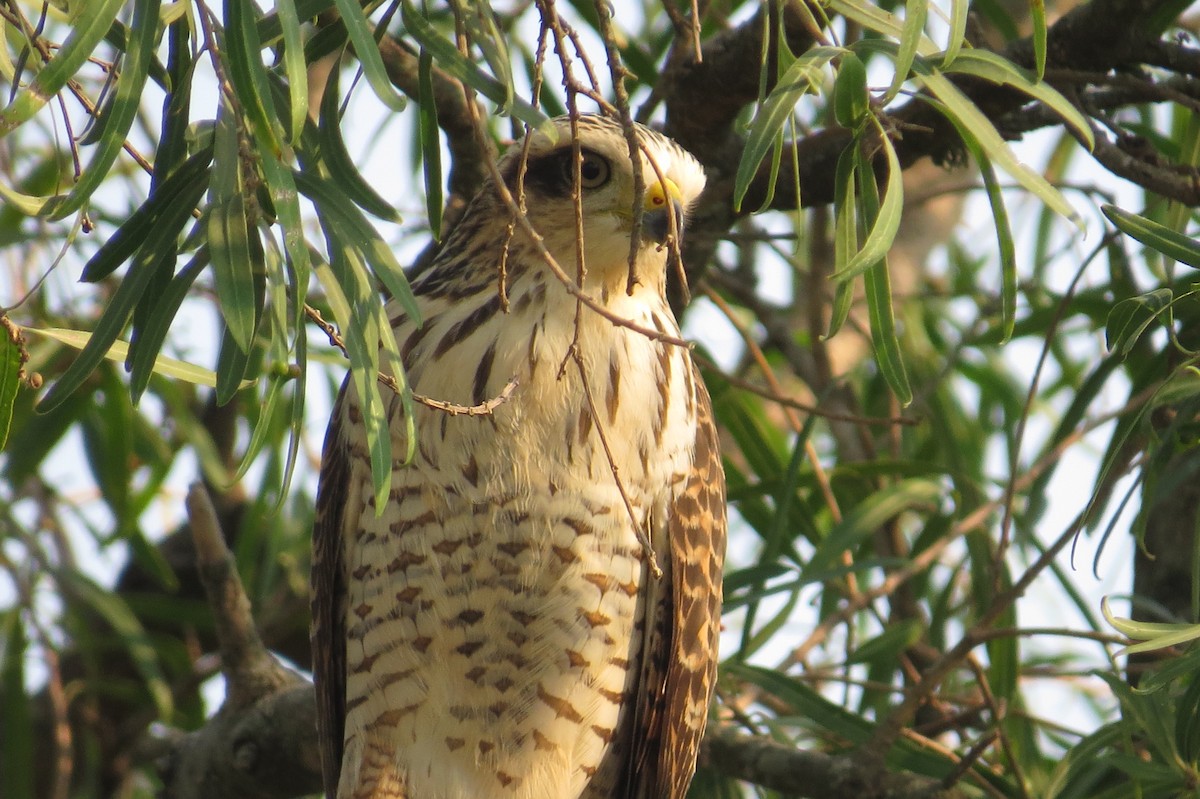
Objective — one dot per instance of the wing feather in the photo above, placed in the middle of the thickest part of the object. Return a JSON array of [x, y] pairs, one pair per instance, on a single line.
[[680, 657], [334, 510]]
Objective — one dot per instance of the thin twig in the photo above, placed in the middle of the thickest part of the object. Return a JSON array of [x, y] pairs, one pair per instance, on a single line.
[[482, 409], [790, 402], [642, 537]]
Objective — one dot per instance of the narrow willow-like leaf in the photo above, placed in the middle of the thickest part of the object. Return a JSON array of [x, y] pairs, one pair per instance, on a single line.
[[866, 518], [144, 358], [266, 415], [127, 632], [86, 32], [999, 70], [484, 34], [958, 31], [286, 200], [888, 645], [128, 294], [10, 369], [1004, 239], [454, 63], [249, 76], [845, 233], [270, 26], [8, 70], [883, 228], [361, 334], [801, 78], [1130, 318], [874, 18], [431, 143], [851, 98], [914, 29], [359, 30], [1156, 236], [233, 365], [164, 207], [779, 534], [956, 105], [352, 226], [293, 66], [119, 114], [229, 235], [878, 287], [119, 352], [338, 161], [1037, 10], [16, 744]]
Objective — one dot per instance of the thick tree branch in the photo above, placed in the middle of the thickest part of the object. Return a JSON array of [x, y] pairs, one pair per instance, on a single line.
[[262, 742], [813, 775], [1097, 36]]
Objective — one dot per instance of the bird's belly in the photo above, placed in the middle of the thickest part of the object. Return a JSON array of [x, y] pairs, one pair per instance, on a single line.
[[501, 660]]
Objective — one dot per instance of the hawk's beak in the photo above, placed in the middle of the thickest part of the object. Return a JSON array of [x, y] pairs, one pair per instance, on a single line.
[[663, 202]]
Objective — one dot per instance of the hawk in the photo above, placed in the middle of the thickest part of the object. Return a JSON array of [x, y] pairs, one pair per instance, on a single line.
[[498, 630]]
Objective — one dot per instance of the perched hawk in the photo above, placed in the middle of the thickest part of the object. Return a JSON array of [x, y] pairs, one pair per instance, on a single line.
[[497, 632]]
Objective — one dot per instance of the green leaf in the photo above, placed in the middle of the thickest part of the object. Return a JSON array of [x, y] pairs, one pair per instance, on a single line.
[[123, 301], [244, 65], [1153, 635], [143, 358], [872, 17], [119, 352], [1037, 10], [234, 265], [454, 63], [1008, 251], [885, 225], [10, 381], [889, 644], [1130, 318], [958, 30], [867, 517], [995, 68], [16, 743], [352, 226], [118, 115], [86, 32], [294, 66], [1156, 236], [914, 29], [845, 232], [801, 78], [359, 30], [170, 205], [341, 166], [851, 100], [431, 143], [877, 282], [128, 632], [967, 117], [483, 32], [361, 332]]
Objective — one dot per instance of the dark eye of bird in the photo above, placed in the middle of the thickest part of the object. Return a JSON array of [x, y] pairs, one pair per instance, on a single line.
[[593, 171]]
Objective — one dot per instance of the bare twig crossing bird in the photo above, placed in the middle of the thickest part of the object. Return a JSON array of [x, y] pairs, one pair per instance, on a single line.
[[498, 630]]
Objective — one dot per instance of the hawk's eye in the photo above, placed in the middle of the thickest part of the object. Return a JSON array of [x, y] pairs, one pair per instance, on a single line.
[[593, 171]]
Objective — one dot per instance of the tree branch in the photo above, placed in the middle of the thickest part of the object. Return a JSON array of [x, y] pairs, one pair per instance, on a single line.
[[813, 775], [263, 741]]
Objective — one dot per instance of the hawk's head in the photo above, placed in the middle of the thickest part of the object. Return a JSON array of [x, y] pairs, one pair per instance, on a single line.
[[545, 168]]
